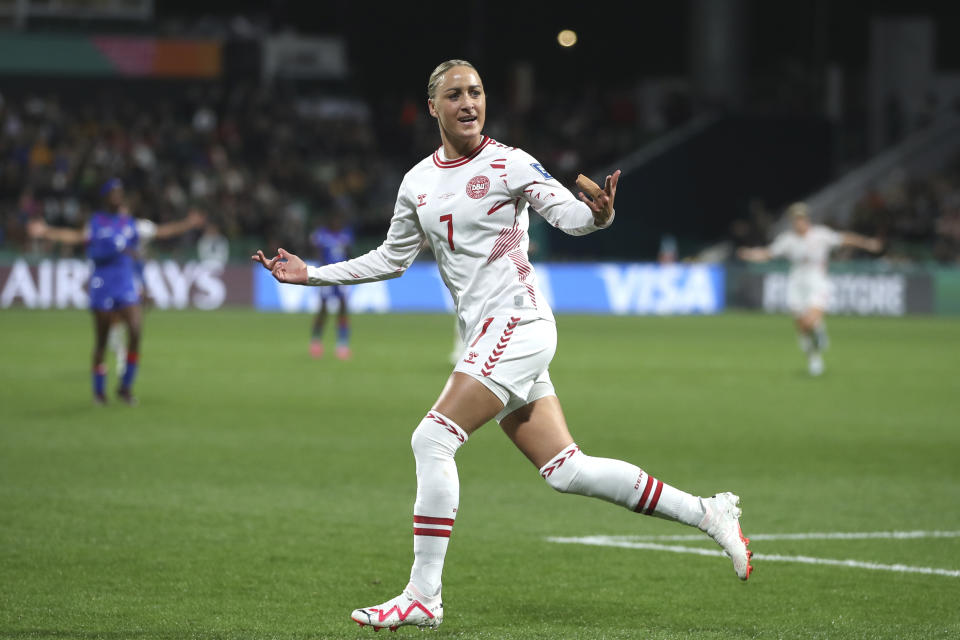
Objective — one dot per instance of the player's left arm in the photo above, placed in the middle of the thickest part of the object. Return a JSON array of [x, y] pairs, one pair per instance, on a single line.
[[526, 178], [194, 220], [873, 245]]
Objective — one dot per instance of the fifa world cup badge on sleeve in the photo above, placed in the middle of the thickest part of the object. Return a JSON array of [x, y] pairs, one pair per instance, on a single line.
[[541, 170]]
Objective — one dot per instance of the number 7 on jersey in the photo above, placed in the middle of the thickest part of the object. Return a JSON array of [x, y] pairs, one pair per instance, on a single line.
[[448, 218]]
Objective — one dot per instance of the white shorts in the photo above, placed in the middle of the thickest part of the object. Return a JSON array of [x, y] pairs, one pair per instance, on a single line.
[[805, 292], [510, 356]]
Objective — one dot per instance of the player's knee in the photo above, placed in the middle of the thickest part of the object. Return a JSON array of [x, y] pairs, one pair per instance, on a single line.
[[436, 436], [419, 441], [562, 471]]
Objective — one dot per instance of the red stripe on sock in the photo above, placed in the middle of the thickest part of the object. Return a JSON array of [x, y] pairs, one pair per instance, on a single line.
[[646, 492], [430, 520], [132, 357], [436, 533], [655, 499]]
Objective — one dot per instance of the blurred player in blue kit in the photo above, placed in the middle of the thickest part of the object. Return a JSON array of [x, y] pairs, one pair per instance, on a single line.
[[114, 239], [332, 243]]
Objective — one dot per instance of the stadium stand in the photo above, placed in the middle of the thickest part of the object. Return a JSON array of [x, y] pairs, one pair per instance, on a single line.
[[261, 164]]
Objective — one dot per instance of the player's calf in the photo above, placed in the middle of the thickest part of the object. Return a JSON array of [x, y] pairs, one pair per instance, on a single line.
[[572, 471], [619, 482]]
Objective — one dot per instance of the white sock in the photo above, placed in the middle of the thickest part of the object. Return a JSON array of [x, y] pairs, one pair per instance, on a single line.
[[434, 442], [806, 342], [572, 471], [819, 336]]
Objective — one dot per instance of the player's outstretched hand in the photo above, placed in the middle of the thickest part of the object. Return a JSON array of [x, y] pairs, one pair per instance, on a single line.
[[196, 218], [873, 245], [600, 200], [284, 266], [37, 228]]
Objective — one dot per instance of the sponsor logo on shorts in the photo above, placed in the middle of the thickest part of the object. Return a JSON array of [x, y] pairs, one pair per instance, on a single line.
[[471, 357]]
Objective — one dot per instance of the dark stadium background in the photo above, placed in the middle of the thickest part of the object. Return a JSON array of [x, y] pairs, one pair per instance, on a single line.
[[771, 141]]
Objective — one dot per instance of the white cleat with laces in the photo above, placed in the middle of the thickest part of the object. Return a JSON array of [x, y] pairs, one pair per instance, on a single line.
[[408, 608], [722, 523]]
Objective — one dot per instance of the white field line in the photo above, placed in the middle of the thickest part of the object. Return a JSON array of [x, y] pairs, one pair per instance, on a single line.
[[619, 541], [832, 535]]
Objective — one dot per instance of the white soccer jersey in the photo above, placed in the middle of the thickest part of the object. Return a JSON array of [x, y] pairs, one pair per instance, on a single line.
[[808, 254], [473, 213]]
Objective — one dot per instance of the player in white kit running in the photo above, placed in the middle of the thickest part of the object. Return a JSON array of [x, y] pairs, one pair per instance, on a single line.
[[469, 202], [807, 247]]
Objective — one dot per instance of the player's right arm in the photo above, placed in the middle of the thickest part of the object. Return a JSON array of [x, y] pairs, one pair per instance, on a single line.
[[754, 254], [64, 235], [764, 254], [404, 241]]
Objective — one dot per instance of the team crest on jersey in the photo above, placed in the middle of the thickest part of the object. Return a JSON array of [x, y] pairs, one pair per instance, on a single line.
[[541, 170], [478, 187]]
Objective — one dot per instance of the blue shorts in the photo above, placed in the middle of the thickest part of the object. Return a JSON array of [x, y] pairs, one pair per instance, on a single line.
[[107, 297]]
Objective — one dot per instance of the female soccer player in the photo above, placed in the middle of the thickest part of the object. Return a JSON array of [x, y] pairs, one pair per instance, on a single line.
[[113, 239], [469, 201], [808, 247]]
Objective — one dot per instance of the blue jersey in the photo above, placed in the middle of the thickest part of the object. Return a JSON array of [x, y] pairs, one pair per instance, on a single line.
[[331, 245], [112, 245]]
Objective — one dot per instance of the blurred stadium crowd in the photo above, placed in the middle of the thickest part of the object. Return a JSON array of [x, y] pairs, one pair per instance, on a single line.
[[271, 167], [920, 216], [259, 164]]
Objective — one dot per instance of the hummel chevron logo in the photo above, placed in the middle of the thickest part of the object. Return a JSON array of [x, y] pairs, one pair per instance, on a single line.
[[498, 350], [546, 473], [449, 427]]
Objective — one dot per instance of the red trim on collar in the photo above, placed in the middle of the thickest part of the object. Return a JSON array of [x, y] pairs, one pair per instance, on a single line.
[[459, 162]]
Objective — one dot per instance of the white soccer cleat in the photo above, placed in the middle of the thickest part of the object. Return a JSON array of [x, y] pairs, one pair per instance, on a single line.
[[408, 608], [722, 523], [815, 364]]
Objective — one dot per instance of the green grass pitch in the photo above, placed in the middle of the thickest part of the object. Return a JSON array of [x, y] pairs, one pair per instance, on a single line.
[[256, 493]]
